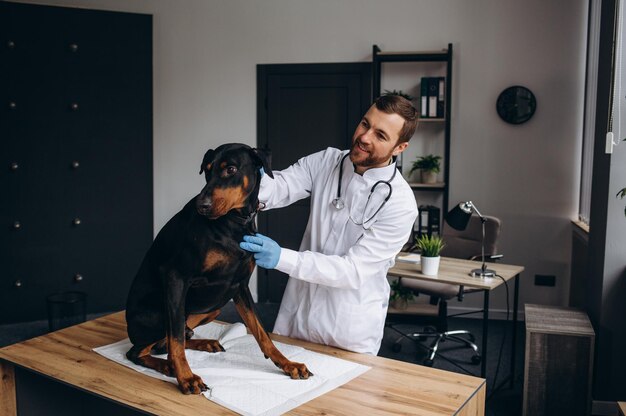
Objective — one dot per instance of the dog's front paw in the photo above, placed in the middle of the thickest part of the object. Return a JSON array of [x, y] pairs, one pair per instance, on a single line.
[[296, 370], [208, 345], [192, 385]]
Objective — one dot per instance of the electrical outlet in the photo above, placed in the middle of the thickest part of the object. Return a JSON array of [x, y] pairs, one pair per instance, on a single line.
[[545, 280]]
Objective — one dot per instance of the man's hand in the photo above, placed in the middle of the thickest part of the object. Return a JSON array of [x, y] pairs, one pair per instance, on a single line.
[[266, 251]]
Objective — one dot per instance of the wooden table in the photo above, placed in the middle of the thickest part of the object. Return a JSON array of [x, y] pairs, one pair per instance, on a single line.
[[66, 356], [456, 271], [622, 408]]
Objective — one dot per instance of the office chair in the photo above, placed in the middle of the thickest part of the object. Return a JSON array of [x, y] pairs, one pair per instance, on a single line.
[[464, 244]]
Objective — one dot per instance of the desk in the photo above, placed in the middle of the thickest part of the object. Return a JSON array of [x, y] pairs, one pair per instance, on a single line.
[[390, 387], [456, 272]]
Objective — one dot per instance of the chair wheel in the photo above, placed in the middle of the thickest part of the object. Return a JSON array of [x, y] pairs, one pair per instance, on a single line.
[[396, 347], [428, 362], [476, 359]]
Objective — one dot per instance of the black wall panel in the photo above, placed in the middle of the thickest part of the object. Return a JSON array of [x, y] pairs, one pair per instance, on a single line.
[[75, 144]]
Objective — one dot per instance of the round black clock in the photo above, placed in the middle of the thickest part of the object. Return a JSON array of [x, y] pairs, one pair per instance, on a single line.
[[516, 105]]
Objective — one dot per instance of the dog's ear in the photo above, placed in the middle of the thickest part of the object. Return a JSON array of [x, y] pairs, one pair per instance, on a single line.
[[263, 158], [208, 158]]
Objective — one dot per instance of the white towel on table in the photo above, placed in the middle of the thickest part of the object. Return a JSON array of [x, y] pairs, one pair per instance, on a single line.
[[242, 379]]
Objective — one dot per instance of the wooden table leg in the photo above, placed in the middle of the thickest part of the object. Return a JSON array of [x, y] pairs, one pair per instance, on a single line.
[[8, 404], [483, 364], [514, 337]]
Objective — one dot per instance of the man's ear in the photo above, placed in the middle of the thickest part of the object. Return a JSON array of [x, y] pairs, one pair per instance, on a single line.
[[400, 148], [207, 160], [263, 158]]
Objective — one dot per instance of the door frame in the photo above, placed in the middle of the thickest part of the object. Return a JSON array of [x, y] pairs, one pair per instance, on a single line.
[[264, 71]]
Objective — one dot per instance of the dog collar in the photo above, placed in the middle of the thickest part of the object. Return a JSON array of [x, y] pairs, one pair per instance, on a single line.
[[247, 219]]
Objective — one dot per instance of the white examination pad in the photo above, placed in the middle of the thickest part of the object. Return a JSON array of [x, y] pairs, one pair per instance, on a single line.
[[242, 379]]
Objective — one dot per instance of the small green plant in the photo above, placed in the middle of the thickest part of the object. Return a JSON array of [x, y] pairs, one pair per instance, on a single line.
[[429, 163], [429, 246], [399, 292], [400, 93]]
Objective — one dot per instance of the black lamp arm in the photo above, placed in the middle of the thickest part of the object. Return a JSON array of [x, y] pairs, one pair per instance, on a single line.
[[470, 206]]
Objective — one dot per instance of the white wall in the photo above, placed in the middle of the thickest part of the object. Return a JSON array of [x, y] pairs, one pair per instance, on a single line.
[[205, 57]]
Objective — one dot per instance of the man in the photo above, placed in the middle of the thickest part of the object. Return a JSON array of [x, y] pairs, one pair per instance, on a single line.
[[362, 213]]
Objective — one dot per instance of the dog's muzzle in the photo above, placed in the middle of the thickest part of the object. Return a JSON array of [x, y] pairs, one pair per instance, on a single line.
[[204, 206]]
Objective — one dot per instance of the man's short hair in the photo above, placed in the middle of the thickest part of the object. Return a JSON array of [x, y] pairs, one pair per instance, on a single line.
[[396, 104]]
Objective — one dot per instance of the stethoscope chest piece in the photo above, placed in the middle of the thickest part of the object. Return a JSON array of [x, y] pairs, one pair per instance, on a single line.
[[338, 203]]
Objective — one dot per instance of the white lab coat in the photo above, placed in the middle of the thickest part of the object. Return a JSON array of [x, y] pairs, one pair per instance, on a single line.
[[338, 292]]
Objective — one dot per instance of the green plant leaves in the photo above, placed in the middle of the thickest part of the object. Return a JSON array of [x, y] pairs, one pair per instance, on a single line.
[[428, 163], [429, 246]]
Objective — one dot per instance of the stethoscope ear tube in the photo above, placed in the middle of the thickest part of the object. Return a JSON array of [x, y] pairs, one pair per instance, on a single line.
[[338, 201]]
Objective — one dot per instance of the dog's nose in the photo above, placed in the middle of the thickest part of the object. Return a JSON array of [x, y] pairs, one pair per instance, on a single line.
[[203, 204]]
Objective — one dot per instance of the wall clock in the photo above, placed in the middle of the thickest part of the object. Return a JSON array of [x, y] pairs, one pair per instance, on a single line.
[[516, 105]]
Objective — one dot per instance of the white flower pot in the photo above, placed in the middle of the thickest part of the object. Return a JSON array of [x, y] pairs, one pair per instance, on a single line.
[[400, 304], [430, 265], [429, 176]]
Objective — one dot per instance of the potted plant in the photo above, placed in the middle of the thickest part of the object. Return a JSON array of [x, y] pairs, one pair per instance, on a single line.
[[400, 295], [430, 248], [429, 166]]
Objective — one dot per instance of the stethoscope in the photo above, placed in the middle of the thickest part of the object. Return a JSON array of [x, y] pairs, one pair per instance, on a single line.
[[339, 204]]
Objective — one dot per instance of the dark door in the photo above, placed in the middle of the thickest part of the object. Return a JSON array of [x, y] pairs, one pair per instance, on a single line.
[[75, 155], [304, 108]]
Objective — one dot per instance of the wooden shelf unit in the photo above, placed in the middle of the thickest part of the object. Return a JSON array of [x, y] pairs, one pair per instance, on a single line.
[[445, 56]]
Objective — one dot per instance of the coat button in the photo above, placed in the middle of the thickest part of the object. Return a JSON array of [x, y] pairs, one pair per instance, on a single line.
[[73, 47], [74, 106], [76, 221], [17, 225], [18, 283], [14, 166], [75, 164], [78, 277]]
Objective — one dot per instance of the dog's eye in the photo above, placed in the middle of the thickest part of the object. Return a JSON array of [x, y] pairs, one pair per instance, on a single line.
[[231, 170]]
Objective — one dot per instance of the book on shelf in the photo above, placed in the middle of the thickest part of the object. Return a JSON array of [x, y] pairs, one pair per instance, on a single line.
[[441, 108], [424, 97], [432, 97], [428, 220]]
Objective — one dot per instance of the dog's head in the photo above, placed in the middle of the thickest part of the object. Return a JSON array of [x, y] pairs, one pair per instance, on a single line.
[[232, 179]]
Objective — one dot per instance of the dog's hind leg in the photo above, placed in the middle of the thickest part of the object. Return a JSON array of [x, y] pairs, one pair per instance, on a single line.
[[208, 345], [161, 346], [195, 320], [141, 356]]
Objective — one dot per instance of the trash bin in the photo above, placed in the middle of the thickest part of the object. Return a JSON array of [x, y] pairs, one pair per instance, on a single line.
[[65, 309]]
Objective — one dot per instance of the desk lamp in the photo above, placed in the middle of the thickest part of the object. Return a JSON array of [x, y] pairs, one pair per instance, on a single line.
[[458, 218]]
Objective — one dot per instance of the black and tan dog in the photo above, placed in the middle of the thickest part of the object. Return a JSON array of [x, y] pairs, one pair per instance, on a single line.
[[195, 266]]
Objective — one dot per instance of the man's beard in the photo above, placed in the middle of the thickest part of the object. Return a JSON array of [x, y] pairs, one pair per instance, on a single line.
[[370, 160]]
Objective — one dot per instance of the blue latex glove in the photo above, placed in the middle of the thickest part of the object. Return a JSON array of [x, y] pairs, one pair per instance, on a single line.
[[262, 171], [266, 251]]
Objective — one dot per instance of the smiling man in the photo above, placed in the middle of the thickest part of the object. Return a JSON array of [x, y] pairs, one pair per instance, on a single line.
[[362, 213]]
